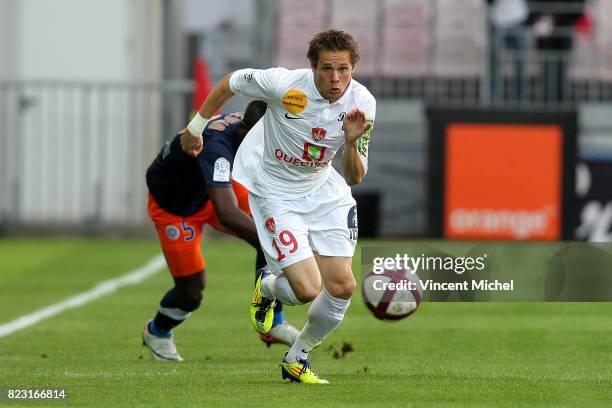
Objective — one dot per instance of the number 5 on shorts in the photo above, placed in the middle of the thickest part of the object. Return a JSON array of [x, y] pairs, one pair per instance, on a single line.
[[188, 230], [287, 239]]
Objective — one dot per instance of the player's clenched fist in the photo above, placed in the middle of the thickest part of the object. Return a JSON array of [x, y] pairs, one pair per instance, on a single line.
[[355, 125], [192, 145]]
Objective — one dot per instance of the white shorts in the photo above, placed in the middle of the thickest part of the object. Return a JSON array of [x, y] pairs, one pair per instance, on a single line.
[[325, 221]]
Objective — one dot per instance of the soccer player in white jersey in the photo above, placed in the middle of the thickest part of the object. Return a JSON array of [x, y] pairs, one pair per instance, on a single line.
[[305, 215]]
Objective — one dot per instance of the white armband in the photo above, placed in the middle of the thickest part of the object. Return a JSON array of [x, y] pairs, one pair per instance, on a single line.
[[197, 125]]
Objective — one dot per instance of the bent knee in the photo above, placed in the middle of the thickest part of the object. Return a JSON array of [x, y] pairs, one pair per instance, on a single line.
[[191, 298], [194, 300], [342, 289], [306, 294], [190, 290]]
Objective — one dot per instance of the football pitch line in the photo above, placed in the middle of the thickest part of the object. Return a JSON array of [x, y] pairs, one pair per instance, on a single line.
[[104, 288]]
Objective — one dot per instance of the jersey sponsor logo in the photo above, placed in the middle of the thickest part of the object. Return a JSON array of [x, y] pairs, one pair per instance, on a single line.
[[270, 225], [292, 117], [364, 141], [220, 123], [172, 232], [311, 161], [295, 101], [313, 152], [222, 170], [318, 134], [234, 117]]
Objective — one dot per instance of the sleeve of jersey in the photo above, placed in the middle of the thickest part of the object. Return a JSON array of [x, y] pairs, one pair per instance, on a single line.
[[257, 83], [363, 144], [216, 165]]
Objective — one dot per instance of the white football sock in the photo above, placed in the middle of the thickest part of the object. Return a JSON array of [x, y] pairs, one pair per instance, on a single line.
[[324, 315], [278, 287], [267, 286]]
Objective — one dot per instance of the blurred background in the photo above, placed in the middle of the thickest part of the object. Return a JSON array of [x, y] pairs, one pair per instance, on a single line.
[[89, 90]]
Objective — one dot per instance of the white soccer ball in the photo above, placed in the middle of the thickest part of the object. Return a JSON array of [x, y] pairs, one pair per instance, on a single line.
[[392, 294]]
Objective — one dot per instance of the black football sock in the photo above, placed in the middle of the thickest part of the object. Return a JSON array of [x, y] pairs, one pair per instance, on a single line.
[[172, 312]]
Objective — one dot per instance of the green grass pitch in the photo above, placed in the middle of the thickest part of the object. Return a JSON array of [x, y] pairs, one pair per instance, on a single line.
[[447, 354]]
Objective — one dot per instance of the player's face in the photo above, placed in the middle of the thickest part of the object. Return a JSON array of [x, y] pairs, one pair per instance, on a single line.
[[333, 73]]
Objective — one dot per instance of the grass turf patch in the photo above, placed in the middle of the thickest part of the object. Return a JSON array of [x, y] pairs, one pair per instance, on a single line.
[[447, 354]]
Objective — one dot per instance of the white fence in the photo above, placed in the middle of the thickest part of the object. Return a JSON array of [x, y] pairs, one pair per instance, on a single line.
[[75, 153]]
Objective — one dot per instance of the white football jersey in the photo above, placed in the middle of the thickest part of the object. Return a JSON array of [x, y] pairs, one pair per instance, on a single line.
[[300, 132]]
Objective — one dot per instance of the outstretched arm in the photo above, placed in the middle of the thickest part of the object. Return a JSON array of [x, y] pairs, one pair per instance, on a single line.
[[191, 138]]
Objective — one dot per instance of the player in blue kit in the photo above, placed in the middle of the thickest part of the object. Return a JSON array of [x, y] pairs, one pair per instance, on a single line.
[[185, 193]]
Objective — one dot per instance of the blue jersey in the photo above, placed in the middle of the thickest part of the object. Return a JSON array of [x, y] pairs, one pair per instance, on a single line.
[[178, 181]]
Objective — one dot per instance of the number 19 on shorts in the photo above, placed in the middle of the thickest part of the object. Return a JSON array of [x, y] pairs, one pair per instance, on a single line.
[[288, 244]]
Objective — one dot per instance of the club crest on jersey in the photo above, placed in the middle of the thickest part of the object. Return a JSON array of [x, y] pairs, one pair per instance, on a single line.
[[172, 232], [318, 134], [270, 225]]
